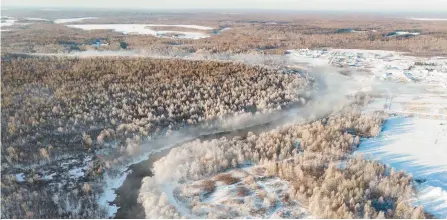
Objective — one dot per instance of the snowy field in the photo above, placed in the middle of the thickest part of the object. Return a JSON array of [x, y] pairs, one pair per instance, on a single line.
[[239, 193], [401, 33], [418, 146], [70, 20], [144, 29], [36, 19], [428, 19]]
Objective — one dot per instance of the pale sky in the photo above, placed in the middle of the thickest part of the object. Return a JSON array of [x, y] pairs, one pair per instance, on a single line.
[[324, 5]]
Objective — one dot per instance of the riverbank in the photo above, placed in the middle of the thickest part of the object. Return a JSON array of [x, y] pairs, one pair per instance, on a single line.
[[127, 193]]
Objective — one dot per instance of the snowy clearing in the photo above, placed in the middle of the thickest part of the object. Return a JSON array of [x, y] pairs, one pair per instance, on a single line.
[[70, 20], [144, 29], [239, 198]]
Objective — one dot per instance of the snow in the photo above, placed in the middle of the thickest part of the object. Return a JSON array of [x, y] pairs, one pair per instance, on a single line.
[[76, 172], [428, 19], [398, 137], [49, 177], [183, 35], [198, 27], [90, 53], [400, 33], [144, 30], [70, 20], [418, 146], [238, 200], [384, 65], [113, 182], [8, 22], [181, 208], [311, 57], [433, 199], [220, 194], [109, 194], [20, 177], [36, 19]]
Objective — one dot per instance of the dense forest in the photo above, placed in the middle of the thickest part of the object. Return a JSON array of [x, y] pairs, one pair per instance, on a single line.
[[58, 107]]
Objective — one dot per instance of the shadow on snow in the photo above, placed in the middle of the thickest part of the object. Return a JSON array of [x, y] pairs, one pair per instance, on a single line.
[[432, 180]]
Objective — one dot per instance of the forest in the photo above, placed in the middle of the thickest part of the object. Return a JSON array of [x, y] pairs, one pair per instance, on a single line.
[[103, 108]]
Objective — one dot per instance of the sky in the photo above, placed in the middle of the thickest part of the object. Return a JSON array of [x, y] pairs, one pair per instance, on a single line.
[[323, 5]]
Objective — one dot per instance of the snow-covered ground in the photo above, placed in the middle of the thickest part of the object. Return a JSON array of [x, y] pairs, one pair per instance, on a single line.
[[198, 27], [36, 19], [400, 33], [7, 21], [91, 53], [418, 146], [415, 141], [144, 29], [70, 20], [249, 195], [414, 89], [113, 182], [20, 177], [428, 19], [109, 195]]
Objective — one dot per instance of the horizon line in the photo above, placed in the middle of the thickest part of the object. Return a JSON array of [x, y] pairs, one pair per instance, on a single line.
[[66, 8]]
